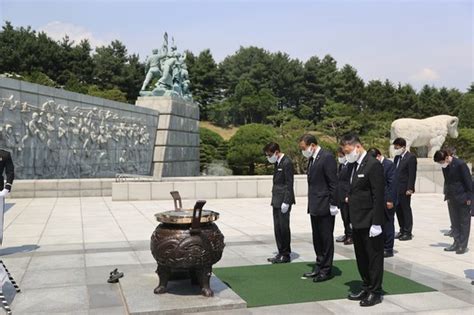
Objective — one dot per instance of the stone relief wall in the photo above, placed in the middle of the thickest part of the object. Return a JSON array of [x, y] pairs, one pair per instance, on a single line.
[[54, 139]]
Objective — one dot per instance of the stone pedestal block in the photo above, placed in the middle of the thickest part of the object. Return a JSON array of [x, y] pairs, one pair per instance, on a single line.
[[176, 151]]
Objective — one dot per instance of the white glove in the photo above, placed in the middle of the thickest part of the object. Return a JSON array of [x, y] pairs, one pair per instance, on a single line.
[[4, 192], [284, 208], [334, 210], [375, 230]]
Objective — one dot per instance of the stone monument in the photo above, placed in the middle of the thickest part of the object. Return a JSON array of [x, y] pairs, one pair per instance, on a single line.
[[426, 134], [176, 151], [56, 134]]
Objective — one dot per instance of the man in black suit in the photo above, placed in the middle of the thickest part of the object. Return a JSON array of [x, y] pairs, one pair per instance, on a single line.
[[367, 213], [322, 204], [6, 165], [458, 193], [283, 197], [404, 186], [343, 186], [389, 227]]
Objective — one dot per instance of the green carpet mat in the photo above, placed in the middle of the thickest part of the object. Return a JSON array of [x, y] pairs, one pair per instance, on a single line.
[[263, 285]]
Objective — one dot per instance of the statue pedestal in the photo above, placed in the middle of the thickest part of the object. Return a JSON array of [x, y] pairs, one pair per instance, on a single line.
[[429, 177], [176, 151]]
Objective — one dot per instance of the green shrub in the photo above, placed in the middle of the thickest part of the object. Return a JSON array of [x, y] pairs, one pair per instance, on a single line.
[[245, 148], [209, 150]]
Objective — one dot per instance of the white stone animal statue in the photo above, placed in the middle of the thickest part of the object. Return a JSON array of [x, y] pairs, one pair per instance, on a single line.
[[429, 132]]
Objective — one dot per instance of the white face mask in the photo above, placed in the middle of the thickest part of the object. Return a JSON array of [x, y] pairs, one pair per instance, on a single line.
[[353, 156], [307, 153], [398, 151], [342, 159], [272, 159], [444, 165]]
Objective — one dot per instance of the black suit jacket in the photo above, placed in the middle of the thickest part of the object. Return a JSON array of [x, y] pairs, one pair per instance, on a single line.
[[343, 183], [367, 194], [405, 173], [389, 173], [6, 165], [283, 179], [457, 181], [322, 182]]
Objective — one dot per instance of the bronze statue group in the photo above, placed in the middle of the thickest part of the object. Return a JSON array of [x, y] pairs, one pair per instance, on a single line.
[[368, 190]]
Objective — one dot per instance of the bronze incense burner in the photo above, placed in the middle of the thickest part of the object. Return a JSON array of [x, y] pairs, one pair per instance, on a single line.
[[186, 242]]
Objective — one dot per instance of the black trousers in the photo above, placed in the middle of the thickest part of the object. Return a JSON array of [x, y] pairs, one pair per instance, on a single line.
[[404, 214], [281, 226], [389, 230], [369, 255], [460, 215], [323, 242], [346, 219]]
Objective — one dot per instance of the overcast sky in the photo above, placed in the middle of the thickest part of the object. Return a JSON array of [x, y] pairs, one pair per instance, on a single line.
[[417, 42]]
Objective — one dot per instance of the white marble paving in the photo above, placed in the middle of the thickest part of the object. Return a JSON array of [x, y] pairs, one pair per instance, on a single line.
[[80, 234]]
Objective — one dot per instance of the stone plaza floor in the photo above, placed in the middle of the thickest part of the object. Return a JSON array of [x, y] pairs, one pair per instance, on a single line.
[[61, 251]]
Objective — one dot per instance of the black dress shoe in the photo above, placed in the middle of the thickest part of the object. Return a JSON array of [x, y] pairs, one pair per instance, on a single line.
[[341, 239], [348, 241], [272, 259], [371, 300], [449, 233], [311, 274], [387, 253], [322, 277], [461, 250], [451, 248], [405, 237], [398, 235], [282, 260], [358, 296]]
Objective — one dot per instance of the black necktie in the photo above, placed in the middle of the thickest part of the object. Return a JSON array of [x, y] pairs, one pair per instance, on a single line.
[[399, 160], [354, 170], [311, 159]]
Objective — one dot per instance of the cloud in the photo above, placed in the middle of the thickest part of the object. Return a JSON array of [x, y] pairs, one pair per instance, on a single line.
[[425, 74], [58, 30]]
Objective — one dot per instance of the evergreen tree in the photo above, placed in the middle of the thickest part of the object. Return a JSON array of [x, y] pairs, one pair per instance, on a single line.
[[313, 91], [204, 77], [430, 103], [349, 87]]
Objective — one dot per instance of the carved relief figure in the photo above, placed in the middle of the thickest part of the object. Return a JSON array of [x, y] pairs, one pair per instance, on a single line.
[[57, 141]]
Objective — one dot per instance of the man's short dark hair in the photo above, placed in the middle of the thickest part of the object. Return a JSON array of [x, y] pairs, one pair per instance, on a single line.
[[271, 147], [350, 139], [440, 156], [374, 152], [308, 139], [400, 142], [340, 151], [451, 151]]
